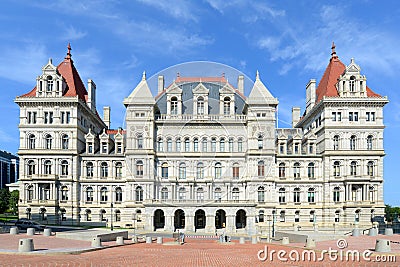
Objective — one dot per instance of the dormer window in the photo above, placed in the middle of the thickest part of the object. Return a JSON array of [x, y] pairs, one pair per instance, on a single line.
[[90, 148], [227, 106], [174, 105], [200, 106], [104, 147], [49, 83], [352, 84]]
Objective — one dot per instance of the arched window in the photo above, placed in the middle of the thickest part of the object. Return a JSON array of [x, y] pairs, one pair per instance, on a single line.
[[139, 141], [118, 169], [182, 170], [336, 142], [178, 145], [336, 194], [182, 193], [353, 168], [235, 194], [88, 214], [89, 169], [218, 170], [200, 170], [235, 171], [118, 194], [32, 141], [260, 142], [261, 194], [164, 170], [200, 106], [282, 216], [103, 216], [336, 169], [139, 168], [213, 144], [103, 194], [227, 106], [117, 215], [89, 194], [31, 167], [47, 167], [370, 168], [196, 145], [353, 142], [64, 167], [282, 195], [64, 193], [187, 145], [372, 193], [296, 195], [169, 145], [312, 216], [29, 193], [369, 142], [240, 145], [261, 216], [48, 141], [200, 194], [230, 144], [311, 170], [217, 194], [337, 216], [164, 193], [282, 170], [352, 84], [204, 145], [65, 141], [311, 195], [260, 168], [49, 83], [222, 145], [104, 169], [139, 193], [160, 144], [296, 170], [174, 105]]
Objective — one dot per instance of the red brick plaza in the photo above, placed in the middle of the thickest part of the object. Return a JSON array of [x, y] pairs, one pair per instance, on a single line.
[[52, 251]]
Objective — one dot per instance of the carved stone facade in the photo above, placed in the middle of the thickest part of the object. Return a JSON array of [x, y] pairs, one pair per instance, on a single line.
[[201, 156]]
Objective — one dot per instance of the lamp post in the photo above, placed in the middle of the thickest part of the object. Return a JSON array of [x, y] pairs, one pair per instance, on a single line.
[[273, 223], [112, 226], [134, 226], [269, 227]]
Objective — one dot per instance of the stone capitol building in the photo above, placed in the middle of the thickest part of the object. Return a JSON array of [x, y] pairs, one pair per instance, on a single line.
[[201, 155]]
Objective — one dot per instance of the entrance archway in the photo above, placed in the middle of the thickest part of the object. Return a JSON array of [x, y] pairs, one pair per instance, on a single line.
[[179, 219], [159, 219], [200, 219], [240, 219], [220, 219]]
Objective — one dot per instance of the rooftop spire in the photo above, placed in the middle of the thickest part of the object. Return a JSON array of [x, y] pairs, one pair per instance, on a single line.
[[333, 54], [144, 76], [69, 52], [257, 75]]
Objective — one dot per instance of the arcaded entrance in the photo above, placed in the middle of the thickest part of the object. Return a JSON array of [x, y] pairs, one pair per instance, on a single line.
[[179, 219], [220, 219], [159, 219], [200, 219], [240, 219]]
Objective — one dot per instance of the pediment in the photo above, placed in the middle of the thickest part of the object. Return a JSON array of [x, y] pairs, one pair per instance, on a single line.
[[353, 67], [297, 136], [227, 89], [281, 136], [174, 89], [200, 89], [89, 135]]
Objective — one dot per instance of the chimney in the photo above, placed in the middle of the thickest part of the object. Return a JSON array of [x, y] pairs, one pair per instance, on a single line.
[[240, 85], [310, 95], [295, 116], [160, 83], [106, 116], [91, 102]]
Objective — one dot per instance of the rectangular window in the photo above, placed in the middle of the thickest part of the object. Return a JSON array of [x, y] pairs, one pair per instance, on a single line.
[[48, 117], [90, 147], [296, 148], [311, 148], [236, 172], [353, 116], [370, 116], [119, 147], [31, 117], [281, 148], [104, 147], [334, 118]]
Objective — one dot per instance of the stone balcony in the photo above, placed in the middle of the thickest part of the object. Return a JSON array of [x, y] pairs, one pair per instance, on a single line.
[[201, 118]]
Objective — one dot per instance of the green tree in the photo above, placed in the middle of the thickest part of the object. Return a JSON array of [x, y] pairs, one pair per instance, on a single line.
[[4, 198], [13, 202], [391, 213]]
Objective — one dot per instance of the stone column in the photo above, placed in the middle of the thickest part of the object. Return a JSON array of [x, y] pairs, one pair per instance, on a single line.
[[210, 224], [189, 222], [250, 225], [169, 223], [230, 224]]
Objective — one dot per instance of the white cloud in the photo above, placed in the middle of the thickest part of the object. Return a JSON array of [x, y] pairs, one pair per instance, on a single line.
[[178, 9], [72, 34]]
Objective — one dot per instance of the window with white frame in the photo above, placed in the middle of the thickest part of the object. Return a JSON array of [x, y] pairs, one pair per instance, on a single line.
[[261, 194], [64, 193], [370, 168], [200, 170], [103, 194], [235, 194], [282, 170], [89, 169], [336, 169], [47, 167], [204, 145], [64, 168], [182, 170], [296, 195], [336, 194], [369, 142], [48, 141], [118, 194], [118, 169], [353, 168], [200, 106], [260, 168], [139, 193], [311, 195], [164, 193], [311, 170], [218, 170], [104, 169], [282, 195], [89, 194], [296, 170], [336, 142]]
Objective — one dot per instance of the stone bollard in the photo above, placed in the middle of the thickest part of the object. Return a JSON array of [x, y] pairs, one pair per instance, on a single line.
[[96, 242], [30, 231], [120, 240], [285, 240], [382, 245], [355, 232], [134, 239], [241, 240], [388, 231], [149, 239], [14, 231], [26, 245], [159, 240], [47, 232], [310, 242], [373, 232], [254, 239]]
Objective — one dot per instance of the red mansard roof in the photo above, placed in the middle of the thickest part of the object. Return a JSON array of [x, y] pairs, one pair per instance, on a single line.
[[74, 83], [327, 85]]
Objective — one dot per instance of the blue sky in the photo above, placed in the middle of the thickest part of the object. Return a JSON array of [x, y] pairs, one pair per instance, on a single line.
[[289, 42]]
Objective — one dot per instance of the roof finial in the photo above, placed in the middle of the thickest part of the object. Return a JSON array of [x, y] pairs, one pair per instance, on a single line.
[[333, 54], [257, 75], [144, 76], [178, 75], [69, 52]]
